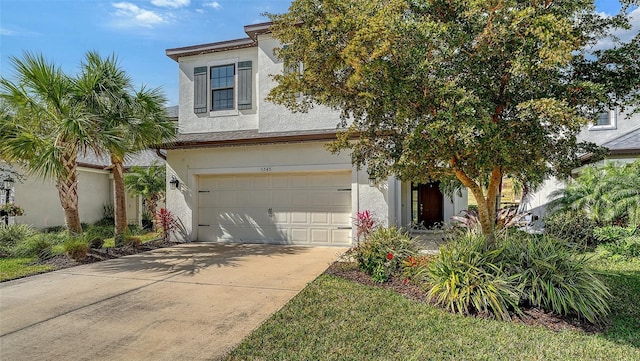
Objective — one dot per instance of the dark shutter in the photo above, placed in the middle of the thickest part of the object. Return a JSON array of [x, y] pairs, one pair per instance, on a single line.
[[200, 89], [244, 85]]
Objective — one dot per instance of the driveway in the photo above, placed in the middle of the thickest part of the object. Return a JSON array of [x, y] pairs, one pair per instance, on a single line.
[[189, 302]]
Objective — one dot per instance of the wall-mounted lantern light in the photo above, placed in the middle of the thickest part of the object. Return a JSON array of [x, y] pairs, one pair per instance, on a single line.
[[8, 182], [174, 183], [372, 181]]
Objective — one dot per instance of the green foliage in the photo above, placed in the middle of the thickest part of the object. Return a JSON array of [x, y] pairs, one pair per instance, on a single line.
[[463, 91], [76, 248], [11, 235], [381, 254], [628, 247], [614, 233], [606, 194], [577, 228], [467, 277], [554, 277], [147, 182], [98, 231], [35, 246], [472, 275]]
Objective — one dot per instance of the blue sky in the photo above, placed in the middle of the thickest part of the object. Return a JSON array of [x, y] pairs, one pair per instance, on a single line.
[[138, 32]]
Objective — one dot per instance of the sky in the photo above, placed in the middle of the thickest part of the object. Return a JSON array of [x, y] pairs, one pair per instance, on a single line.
[[137, 32]]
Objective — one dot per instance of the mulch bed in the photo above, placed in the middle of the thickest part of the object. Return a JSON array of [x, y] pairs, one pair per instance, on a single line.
[[531, 316], [102, 254]]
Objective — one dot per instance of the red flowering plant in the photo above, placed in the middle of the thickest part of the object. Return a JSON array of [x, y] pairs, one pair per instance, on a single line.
[[169, 224], [381, 253], [365, 224], [414, 267]]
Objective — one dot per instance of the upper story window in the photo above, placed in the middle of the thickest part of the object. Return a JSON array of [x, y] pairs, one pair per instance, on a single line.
[[605, 120], [222, 88]]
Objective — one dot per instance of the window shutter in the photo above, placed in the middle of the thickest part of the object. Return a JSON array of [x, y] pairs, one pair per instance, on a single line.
[[200, 89], [244, 85]]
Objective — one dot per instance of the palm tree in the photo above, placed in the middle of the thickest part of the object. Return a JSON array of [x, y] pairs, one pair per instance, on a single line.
[[623, 192], [138, 118], [584, 194], [43, 128], [147, 182]]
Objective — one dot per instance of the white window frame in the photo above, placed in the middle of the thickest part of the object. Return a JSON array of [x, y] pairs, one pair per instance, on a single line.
[[613, 118]]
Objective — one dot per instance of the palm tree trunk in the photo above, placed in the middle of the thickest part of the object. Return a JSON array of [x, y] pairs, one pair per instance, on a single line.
[[67, 186], [120, 205]]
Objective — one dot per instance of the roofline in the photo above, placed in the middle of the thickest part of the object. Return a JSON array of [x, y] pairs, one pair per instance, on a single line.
[[252, 31], [253, 141], [177, 53]]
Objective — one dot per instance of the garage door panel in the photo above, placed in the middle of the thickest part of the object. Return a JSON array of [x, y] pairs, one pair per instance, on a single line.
[[306, 208]]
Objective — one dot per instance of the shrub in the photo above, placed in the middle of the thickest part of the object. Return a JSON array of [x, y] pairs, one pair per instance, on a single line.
[[466, 278], [628, 247], [554, 277], [381, 254], [365, 224], [11, 235], [76, 248], [413, 267], [37, 245], [170, 224], [505, 218], [573, 228], [94, 231], [614, 233]]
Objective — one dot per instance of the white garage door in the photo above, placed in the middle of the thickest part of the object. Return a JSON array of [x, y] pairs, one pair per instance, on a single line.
[[297, 208]]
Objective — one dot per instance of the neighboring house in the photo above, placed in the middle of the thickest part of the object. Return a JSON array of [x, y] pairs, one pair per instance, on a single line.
[[613, 130], [248, 170], [41, 203]]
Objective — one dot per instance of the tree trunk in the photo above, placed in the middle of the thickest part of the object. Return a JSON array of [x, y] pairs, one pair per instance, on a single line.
[[152, 203], [67, 186], [119, 199]]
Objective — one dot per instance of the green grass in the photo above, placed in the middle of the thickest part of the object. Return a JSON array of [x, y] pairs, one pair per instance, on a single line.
[[12, 268], [335, 319], [110, 242]]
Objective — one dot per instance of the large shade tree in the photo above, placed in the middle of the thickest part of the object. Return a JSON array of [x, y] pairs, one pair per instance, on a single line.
[[43, 128], [136, 116], [463, 91]]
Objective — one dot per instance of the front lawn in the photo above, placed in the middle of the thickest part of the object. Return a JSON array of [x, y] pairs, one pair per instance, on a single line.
[[336, 319], [12, 268]]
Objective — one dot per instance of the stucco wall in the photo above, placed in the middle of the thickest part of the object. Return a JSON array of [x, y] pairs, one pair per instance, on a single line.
[[187, 165], [276, 118], [600, 135], [42, 205], [189, 122]]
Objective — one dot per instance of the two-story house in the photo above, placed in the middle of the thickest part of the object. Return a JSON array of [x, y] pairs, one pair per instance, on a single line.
[[614, 130], [247, 170]]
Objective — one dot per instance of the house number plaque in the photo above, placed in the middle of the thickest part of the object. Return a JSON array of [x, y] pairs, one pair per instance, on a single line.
[[265, 169]]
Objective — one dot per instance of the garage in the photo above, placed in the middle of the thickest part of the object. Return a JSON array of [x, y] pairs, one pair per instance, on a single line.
[[290, 208]]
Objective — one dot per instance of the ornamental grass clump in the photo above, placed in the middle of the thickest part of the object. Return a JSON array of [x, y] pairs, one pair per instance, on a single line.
[[382, 252], [468, 278], [518, 270]]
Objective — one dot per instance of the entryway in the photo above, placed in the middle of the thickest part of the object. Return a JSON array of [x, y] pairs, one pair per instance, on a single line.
[[428, 204]]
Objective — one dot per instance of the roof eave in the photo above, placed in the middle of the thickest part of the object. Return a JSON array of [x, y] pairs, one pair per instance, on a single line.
[[243, 43]]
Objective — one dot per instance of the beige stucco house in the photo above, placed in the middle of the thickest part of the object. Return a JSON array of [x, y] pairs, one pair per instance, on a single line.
[[252, 171], [41, 203]]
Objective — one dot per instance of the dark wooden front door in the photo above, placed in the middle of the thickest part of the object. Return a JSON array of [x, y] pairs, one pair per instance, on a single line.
[[430, 204]]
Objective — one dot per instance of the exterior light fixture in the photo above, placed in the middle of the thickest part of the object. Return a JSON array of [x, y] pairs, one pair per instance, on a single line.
[[8, 182], [372, 181], [174, 183]]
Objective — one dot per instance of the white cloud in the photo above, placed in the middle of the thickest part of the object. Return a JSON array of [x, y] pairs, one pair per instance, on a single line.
[[213, 4], [132, 16], [624, 35], [171, 3], [6, 32]]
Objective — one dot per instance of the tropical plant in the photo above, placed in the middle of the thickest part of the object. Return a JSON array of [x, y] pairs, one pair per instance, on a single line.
[[467, 277], [170, 224], [137, 117], [471, 91], [149, 183], [12, 209], [614, 233], [573, 227], [37, 245], [505, 218], [382, 252], [11, 235], [43, 128], [364, 223], [554, 277], [607, 194]]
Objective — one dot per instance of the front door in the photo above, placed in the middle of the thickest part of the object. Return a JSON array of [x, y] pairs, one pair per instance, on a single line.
[[430, 204]]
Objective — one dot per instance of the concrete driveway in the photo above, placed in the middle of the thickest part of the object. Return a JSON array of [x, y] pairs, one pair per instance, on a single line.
[[189, 302]]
